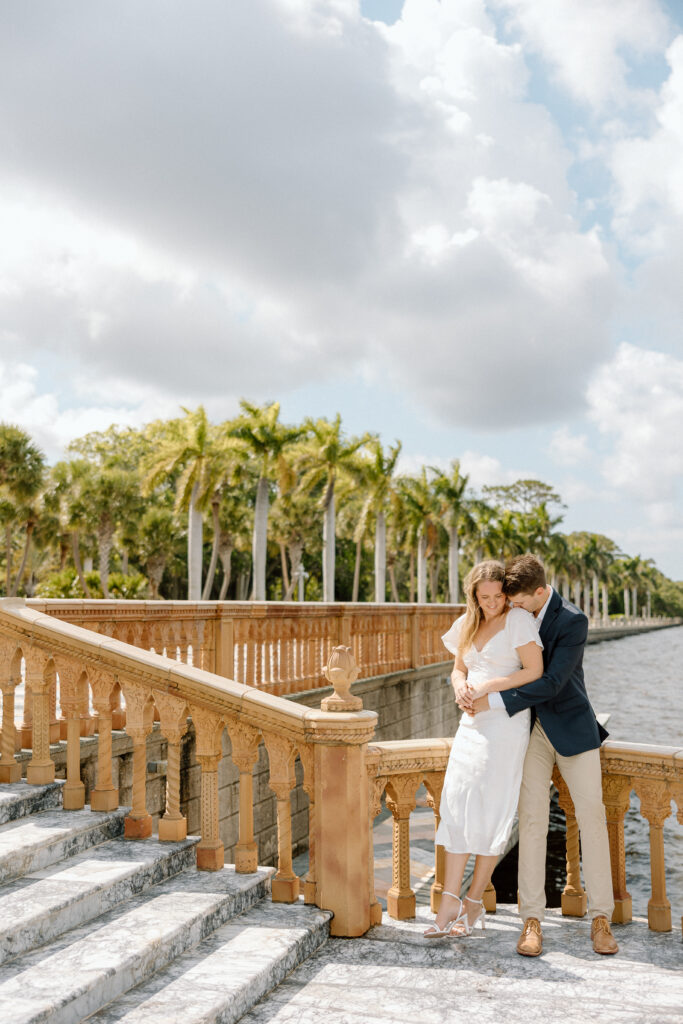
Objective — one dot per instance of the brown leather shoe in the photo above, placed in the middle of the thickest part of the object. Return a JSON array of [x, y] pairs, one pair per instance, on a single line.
[[531, 940], [601, 935]]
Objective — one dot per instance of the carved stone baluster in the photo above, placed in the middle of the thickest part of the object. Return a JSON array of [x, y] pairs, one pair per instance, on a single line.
[[574, 899], [71, 699], [281, 756], [245, 741], [251, 655], [118, 712], [655, 805], [434, 785], [401, 790], [105, 795], [139, 719], [376, 788], [10, 769], [41, 768], [209, 731], [173, 718], [307, 758], [616, 794], [55, 722], [87, 724], [25, 730]]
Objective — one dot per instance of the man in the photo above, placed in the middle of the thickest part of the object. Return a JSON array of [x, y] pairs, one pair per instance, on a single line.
[[564, 731]]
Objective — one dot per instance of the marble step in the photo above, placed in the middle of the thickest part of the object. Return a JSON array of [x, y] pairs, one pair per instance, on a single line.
[[88, 967], [29, 844], [18, 799], [41, 905], [227, 974]]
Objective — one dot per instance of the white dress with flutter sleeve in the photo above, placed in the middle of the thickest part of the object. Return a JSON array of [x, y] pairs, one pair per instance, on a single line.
[[484, 773]]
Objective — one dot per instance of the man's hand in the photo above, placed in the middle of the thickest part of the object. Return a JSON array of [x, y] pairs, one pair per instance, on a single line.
[[480, 704]]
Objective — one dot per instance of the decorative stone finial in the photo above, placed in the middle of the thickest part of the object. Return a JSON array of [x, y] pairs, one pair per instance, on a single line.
[[341, 672]]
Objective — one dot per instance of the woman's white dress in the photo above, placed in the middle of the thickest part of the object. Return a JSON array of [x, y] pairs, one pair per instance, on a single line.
[[484, 773]]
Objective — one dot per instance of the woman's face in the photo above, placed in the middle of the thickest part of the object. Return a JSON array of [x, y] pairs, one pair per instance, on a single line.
[[490, 597]]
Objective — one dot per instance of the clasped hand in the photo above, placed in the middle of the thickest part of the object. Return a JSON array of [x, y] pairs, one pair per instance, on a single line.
[[469, 698]]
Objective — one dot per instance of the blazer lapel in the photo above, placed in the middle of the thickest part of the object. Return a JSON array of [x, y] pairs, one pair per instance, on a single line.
[[548, 623]]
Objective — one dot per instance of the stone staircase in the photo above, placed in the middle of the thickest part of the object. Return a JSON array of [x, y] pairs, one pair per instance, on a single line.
[[95, 926]]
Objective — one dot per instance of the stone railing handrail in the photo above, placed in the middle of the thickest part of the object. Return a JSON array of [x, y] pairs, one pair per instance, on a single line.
[[654, 773], [92, 668], [281, 647]]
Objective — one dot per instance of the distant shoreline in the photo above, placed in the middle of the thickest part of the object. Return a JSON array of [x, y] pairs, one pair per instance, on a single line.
[[596, 634]]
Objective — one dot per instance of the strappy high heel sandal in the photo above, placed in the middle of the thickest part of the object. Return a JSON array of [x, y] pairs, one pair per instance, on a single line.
[[468, 928], [441, 933]]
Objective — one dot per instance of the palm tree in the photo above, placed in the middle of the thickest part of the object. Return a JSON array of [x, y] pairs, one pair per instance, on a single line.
[[423, 509], [378, 483], [324, 456], [450, 490], [22, 474], [188, 445], [158, 539], [267, 440]]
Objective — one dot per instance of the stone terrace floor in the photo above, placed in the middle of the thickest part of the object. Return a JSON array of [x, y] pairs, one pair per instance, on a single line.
[[394, 975]]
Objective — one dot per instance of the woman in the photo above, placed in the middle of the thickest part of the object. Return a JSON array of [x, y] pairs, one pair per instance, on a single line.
[[496, 648]]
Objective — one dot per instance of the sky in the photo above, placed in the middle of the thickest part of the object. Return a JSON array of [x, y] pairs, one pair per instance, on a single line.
[[456, 223]]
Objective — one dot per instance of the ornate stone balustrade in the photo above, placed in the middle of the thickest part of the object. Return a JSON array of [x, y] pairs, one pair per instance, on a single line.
[[92, 668], [279, 647], [654, 773]]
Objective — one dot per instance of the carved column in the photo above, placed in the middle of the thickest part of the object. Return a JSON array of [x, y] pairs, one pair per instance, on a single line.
[[105, 795], [376, 787], [209, 730], [139, 719], [173, 718], [118, 713], [10, 769], [245, 741], [281, 756], [434, 785], [616, 794], [401, 790], [71, 700], [25, 730], [655, 805], [41, 767], [307, 757], [574, 899]]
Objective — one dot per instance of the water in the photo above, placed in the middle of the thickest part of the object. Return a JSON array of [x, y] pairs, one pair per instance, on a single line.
[[639, 681]]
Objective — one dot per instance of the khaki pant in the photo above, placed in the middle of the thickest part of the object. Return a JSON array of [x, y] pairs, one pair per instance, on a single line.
[[583, 776]]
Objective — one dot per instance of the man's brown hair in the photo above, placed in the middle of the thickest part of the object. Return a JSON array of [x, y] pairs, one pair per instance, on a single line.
[[523, 575]]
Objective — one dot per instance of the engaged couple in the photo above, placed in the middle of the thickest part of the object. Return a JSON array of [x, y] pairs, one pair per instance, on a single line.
[[518, 678]]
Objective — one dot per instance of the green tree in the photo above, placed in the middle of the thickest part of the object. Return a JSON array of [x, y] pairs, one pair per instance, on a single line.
[[22, 475], [450, 489]]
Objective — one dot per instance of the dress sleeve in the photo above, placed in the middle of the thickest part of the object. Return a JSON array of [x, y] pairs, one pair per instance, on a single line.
[[450, 639], [523, 628]]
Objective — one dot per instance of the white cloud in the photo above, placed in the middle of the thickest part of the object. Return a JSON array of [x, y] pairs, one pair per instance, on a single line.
[[637, 402], [585, 42], [221, 228], [567, 449]]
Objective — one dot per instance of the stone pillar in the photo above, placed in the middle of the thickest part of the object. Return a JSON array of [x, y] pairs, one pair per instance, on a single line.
[[281, 756], [245, 740], [105, 795], [616, 794], [173, 718], [209, 730], [41, 767], [574, 899], [139, 720], [10, 769], [71, 700], [655, 805], [401, 790], [434, 784], [678, 797]]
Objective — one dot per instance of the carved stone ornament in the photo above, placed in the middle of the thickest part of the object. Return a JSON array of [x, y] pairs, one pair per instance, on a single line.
[[341, 671]]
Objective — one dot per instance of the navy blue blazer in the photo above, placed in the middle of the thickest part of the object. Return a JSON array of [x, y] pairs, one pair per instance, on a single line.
[[559, 697]]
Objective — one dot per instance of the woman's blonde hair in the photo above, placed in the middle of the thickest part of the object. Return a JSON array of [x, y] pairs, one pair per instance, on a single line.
[[488, 571]]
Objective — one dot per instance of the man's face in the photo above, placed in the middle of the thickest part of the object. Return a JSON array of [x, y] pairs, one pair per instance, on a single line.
[[530, 602]]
